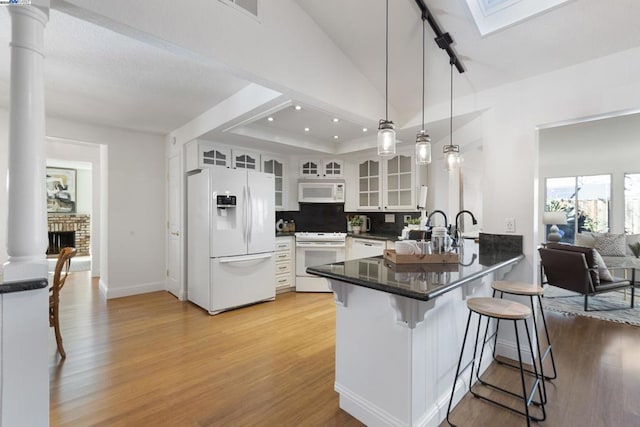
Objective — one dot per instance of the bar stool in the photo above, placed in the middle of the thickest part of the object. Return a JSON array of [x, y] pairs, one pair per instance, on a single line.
[[495, 308], [530, 290]]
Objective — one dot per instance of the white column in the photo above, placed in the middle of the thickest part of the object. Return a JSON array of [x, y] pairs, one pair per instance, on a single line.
[[27, 212]]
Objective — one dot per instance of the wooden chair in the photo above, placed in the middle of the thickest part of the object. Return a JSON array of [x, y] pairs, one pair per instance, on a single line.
[[59, 277], [573, 268]]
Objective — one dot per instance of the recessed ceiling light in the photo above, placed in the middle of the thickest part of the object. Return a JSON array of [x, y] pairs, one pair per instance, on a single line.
[[335, 137], [270, 119], [298, 107], [307, 129], [336, 120], [364, 129]]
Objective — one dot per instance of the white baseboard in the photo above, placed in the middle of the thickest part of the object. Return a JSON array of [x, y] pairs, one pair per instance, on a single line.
[[509, 350], [110, 292]]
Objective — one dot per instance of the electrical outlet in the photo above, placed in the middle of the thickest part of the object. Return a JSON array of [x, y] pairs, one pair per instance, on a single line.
[[389, 218], [407, 218], [510, 225]]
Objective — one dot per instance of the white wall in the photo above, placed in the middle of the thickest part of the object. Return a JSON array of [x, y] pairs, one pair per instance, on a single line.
[[4, 158], [135, 207], [509, 134]]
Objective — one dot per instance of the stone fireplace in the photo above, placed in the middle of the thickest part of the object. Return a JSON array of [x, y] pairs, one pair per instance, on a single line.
[[69, 230]]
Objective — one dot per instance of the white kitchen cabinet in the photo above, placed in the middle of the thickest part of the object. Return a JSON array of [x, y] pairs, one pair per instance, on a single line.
[[285, 264], [387, 184], [322, 168], [333, 168], [199, 154], [277, 167], [310, 168], [246, 160]]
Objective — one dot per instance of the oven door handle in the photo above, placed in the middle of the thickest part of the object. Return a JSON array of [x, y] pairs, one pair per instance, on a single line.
[[315, 245]]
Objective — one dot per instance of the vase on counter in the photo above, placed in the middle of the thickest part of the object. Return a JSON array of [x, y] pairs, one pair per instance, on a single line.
[[355, 229]]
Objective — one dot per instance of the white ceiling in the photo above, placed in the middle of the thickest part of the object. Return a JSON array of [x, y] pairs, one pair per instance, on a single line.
[[98, 76]]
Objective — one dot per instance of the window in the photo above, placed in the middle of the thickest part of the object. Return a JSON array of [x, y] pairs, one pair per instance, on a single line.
[[632, 203], [586, 201]]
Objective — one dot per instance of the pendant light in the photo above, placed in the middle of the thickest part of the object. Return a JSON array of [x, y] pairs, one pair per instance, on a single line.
[[423, 141], [386, 129], [451, 152]]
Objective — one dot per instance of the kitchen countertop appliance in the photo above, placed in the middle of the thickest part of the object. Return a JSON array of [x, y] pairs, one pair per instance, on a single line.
[[230, 238], [312, 249]]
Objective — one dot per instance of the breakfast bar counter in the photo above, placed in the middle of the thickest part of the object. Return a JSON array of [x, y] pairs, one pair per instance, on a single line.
[[399, 328]]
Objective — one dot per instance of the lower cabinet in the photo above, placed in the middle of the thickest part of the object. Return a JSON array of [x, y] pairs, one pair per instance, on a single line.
[[285, 264], [364, 248]]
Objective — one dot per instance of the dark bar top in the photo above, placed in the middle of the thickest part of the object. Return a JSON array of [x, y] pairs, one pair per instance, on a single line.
[[22, 285], [420, 281]]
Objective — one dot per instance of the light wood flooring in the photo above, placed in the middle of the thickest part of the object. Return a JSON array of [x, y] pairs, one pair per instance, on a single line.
[[150, 360]]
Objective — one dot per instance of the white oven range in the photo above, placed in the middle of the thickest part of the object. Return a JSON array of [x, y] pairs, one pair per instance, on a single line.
[[313, 248]]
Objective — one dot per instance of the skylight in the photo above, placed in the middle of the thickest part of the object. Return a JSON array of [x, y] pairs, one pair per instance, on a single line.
[[494, 15]]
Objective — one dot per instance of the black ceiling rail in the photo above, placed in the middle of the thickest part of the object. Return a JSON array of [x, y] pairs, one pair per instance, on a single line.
[[443, 40]]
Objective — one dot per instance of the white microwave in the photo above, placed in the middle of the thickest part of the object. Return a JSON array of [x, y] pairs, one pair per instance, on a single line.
[[321, 191]]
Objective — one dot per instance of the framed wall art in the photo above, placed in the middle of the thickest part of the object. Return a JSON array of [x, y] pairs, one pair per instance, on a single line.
[[61, 190]]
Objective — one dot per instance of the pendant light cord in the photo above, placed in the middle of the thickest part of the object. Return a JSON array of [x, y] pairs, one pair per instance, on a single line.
[[386, 72], [423, 56], [451, 115]]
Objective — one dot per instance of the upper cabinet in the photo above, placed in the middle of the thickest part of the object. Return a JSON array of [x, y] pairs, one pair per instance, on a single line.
[[200, 154], [310, 169], [246, 160], [277, 167], [314, 168], [387, 184], [333, 168]]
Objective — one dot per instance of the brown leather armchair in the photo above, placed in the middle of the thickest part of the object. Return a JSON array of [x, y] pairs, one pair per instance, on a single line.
[[573, 268]]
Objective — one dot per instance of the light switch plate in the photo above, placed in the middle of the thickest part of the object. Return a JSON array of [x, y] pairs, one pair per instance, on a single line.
[[389, 218], [510, 225]]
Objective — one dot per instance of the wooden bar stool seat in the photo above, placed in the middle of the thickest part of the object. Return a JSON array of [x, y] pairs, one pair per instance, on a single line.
[[517, 288], [505, 310], [529, 290]]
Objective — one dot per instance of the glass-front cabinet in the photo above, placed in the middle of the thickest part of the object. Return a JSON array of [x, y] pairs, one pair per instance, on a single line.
[[387, 184], [276, 166], [246, 160], [310, 169], [313, 168], [399, 183], [333, 168], [369, 185]]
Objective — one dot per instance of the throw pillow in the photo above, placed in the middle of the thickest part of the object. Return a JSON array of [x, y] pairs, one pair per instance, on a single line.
[[603, 271], [610, 244], [631, 239], [585, 239]]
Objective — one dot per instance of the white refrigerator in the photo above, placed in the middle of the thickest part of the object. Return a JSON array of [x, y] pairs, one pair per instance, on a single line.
[[230, 238]]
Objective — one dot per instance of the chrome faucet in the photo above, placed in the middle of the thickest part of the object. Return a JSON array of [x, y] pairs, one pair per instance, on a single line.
[[435, 212], [457, 233]]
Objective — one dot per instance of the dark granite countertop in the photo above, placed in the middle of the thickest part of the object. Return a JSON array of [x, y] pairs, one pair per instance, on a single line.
[[22, 285], [374, 236], [419, 281], [287, 234]]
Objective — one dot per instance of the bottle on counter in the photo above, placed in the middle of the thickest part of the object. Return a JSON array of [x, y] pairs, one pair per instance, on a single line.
[[292, 226]]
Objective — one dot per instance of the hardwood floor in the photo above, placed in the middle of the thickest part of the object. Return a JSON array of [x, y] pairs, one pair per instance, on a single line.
[[151, 360]]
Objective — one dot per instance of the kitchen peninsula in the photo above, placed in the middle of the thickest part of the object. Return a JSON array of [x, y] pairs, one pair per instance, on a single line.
[[399, 328]]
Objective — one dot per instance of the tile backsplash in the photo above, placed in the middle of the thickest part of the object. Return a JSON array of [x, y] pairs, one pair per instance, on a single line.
[[332, 217]]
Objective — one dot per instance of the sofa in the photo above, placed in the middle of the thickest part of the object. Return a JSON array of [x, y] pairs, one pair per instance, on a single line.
[[613, 248]]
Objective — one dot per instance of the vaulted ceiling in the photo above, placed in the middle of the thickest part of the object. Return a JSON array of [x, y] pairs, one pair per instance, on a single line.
[[104, 76]]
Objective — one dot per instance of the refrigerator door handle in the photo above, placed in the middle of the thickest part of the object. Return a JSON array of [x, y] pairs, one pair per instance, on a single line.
[[243, 258], [250, 222], [244, 214]]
